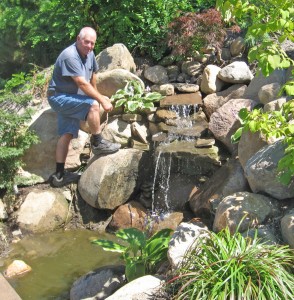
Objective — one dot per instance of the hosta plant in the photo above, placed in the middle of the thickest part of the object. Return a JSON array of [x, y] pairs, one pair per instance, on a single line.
[[134, 98], [227, 266], [142, 255]]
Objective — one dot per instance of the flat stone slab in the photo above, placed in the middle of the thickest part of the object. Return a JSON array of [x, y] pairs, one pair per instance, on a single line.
[[6, 290], [182, 99]]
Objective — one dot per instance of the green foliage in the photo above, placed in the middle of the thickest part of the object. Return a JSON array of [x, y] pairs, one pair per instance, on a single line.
[[276, 124], [14, 134], [226, 266], [142, 255], [271, 23], [189, 33], [133, 97], [37, 31]]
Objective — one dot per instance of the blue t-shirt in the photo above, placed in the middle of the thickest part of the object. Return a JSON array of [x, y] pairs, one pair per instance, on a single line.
[[70, 63]]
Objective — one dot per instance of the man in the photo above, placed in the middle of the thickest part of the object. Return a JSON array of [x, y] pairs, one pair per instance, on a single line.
[[73, 94]]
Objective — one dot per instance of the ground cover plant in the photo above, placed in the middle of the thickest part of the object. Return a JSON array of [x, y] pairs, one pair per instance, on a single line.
[[226, 266]]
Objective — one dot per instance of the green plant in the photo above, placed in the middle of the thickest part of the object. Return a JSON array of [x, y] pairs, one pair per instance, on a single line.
[[226, 266], [142, 255], [272, 22], [133, 97], [14, 134], [276, 124]]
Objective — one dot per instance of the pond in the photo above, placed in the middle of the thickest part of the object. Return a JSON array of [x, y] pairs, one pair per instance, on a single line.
[[57, 259]]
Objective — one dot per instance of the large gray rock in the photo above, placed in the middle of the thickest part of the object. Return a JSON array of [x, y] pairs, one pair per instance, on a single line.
[[224, 122], [226, 180], [99, 283], [43, 211], [182, 240], [142, 288], [109, 82], [287, 227], [118, 131], [262, 175], [236, 72], [39, 159], [116, 57], [110, 180], [244, 210], [260, 80], [249, 144], [156, 74]]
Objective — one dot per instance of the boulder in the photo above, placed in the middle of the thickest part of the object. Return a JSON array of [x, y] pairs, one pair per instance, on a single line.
[[118, 131], [262, 174], [142, 288], [236, 72], [182, 240], [116, 57], [249, 144], [226, 180], [43, 211], [224, 122], [39, 159], [109, 82], [210, 82], [215, 100], [243, 210], [269, 92], [110, 180], [156, 74], [99, 283], [131, 214], [237, 46], [287, 227], [260, 80]]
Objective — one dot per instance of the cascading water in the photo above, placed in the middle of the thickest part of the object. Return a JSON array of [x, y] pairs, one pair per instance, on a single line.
[[163, 161]]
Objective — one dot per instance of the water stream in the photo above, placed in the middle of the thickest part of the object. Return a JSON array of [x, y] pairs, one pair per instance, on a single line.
[[57, 260], [163, 161]]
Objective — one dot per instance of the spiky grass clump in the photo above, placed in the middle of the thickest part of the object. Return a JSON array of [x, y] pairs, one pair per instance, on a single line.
[[232, 267]]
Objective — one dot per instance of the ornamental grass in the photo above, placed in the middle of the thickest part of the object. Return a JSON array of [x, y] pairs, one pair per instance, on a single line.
[[227, 266]]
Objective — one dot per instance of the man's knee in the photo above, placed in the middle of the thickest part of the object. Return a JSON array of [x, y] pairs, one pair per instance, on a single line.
[[95, 108]]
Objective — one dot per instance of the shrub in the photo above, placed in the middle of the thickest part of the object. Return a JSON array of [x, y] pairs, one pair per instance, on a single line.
[[234, 267], [193, 31]]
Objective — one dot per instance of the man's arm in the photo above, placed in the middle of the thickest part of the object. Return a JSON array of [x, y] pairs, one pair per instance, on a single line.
[[89, 88]]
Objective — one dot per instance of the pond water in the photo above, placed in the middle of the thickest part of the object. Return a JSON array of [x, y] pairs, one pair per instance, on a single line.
[[57, 260]]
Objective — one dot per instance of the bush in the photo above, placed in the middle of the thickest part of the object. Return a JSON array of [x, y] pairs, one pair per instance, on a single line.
[[234, 267], [189, 33]]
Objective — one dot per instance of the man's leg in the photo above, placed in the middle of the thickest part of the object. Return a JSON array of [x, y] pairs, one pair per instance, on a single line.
[[99, 145], [61, 178]]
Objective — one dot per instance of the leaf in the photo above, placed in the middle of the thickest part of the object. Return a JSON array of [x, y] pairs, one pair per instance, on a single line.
[[243, 113], [237, 135], [110, 246], [132, 234], [274, 61], [134, 270]]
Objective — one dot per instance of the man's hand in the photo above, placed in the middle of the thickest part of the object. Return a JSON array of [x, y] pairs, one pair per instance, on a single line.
[[89, 89], [106, 104]]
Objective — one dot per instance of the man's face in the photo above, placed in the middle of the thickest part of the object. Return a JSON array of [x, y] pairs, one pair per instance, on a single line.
[[86, 44]]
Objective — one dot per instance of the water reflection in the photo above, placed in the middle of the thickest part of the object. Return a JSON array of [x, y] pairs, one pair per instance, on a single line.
[[57, 260]]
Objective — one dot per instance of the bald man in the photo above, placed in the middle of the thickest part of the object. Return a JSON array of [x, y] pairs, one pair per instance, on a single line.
[[73, 94]]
